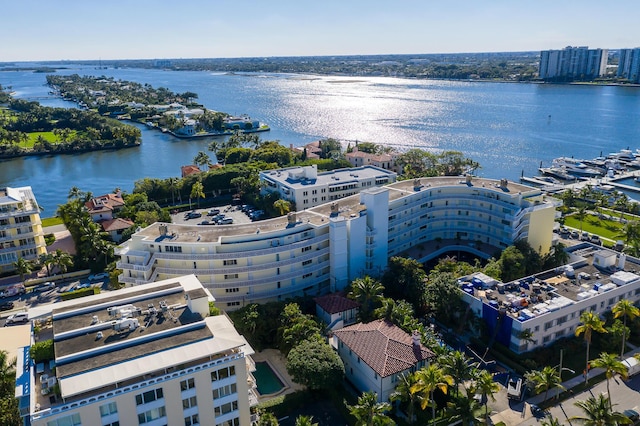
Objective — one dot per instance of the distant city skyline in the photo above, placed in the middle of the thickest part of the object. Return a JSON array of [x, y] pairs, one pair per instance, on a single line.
[[33, 30]]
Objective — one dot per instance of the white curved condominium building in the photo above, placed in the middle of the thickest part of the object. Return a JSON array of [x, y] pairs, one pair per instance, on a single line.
[[323, 248]]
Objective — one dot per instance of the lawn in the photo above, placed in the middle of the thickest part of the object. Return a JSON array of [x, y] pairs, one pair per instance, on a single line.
[[51, 221], [610, 229]]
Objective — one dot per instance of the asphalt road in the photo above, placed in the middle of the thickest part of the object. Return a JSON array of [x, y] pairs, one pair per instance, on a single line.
[[625, 395]]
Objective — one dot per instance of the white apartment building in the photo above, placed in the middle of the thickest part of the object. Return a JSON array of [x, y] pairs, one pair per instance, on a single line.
[[322, 249], [573, 63], [629, 64], [21, 232], [306, 188], [549, 304], [148, 355]]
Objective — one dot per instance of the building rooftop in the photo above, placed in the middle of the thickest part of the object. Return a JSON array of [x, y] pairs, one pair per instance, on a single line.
[[599, 271], [295, 177], [384, 347], [316, 216], [106, 341], [104, 203], [335, 303]]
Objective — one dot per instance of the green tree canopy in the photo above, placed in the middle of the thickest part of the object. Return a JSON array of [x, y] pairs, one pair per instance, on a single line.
[[315, 364]]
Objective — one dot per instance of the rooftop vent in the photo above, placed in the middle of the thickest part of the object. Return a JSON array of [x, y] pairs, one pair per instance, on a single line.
[[99, 335], [94, 319]]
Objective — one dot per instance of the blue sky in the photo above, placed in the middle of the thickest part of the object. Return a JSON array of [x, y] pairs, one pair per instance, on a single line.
[[119, 29]]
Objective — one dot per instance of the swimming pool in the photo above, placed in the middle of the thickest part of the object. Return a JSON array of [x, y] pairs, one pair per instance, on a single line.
[[267, 381]]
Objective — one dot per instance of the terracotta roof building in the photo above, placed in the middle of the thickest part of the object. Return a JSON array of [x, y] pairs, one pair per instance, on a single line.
[[103, 207], [336, 310], [376, 353], [190, 169], [115, 227]]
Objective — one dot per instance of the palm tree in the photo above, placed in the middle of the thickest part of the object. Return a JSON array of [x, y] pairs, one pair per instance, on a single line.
[[625, 309], [305, 421], [428, 380], [527, 336], [485, 385], [631, 236], [581, 214], [23, 267], [201, 159], [465, 409], [197, 191], [459, 367], [9, 414], [405, 392], [612, 366], [368, 292], [368, 411], [590, 322], [545, 379], [283, 206], [173, 181], [551, 421], [46, 260], [598, 412], [75, 192], [62, 260]]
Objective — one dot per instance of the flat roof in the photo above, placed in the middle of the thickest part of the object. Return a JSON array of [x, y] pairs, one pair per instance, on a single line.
[[86, 334], [552, 290], [338, 176], [320, 215]]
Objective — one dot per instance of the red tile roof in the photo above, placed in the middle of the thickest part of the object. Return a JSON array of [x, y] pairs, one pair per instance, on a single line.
[[189, 170], [104, 203], [116, 224], [384, 347], [335, 303]]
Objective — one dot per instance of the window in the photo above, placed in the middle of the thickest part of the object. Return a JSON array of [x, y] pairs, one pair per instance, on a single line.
[[230, 262], [149, 396], [175, 249], [307, 275], [232, 422], [72, 420], [187, 384], [223, 373], [548, 325], [108, 409], [307, 262], [224, 391], [191, 420], [230, 276], [225, 408], [189, 402], [116, 423], [151, 415], [233, 303], [306, 248], [231, 290], [546, 339]]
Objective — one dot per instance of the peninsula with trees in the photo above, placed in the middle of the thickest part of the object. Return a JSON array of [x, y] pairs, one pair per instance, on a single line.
[[175, 113], [28, 128]]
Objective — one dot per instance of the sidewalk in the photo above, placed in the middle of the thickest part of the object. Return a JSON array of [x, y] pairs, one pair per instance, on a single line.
[[575, 381]]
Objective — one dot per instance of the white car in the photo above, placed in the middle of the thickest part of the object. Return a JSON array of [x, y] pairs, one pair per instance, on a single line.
[[20, 317], [99, 277]]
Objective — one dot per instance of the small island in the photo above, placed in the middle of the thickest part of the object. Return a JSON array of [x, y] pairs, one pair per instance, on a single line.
[[28, 128], [175, 113]]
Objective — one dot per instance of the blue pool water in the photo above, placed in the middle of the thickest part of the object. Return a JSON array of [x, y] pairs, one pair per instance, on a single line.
[[268, 382]]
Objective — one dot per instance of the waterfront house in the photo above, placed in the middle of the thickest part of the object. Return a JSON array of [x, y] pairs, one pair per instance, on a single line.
[[377, 353], [104, 206], [115, 227], [384, 161], [190, 169]]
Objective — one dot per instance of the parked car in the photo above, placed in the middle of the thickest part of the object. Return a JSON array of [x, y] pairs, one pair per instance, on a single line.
[[596, 240], [575, 235], [44, 287], [204, 222], [99, 276], [13, 290], [632, 415], [226, 221], [193, 215], [20, 317], [256, 214], [213, 212], [585, 236], [81, 286], [5, 306]]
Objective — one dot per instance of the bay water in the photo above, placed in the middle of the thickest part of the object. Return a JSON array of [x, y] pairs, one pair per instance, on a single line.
[[509, 128]]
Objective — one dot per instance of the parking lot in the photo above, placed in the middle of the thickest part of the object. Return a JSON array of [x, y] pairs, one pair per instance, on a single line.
[[50, 294], [234, 212]]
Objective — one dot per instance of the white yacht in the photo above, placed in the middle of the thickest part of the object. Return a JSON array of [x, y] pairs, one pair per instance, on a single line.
[[576, 167]]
